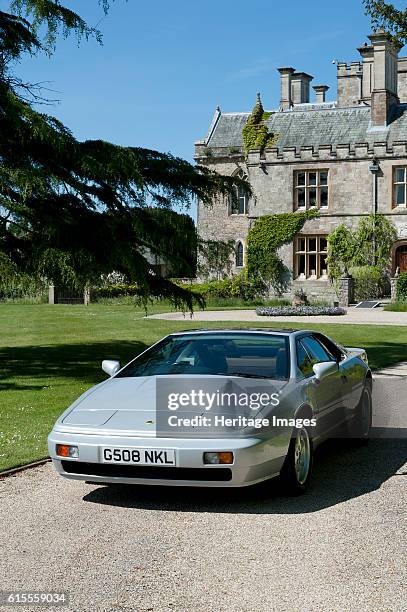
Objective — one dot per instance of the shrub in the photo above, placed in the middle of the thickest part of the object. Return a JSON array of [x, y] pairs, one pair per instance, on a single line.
[[113, 291], [368, 282], [396, 307], [238, 286], [305, 311], [401, 287]]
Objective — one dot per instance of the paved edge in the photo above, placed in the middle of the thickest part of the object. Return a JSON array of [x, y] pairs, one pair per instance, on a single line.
[[22, 468]]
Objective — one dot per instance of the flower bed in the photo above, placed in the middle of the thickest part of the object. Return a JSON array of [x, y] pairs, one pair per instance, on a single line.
[[304, 311]]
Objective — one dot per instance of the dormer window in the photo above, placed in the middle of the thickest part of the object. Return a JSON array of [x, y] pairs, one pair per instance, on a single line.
[[239, 206]]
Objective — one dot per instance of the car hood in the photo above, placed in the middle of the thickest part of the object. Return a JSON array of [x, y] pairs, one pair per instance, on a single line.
[[119, 403], [125, 405]]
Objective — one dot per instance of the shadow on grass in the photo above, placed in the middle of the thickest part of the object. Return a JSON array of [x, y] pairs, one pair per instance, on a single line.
[[385, 353], [79, 361], [342, 472]]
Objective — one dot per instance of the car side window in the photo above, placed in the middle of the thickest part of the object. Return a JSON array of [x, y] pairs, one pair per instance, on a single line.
[[315, 350], [331, 347], [304, 361]]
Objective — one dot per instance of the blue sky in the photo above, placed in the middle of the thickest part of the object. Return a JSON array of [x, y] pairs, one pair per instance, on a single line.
[[164, 66]]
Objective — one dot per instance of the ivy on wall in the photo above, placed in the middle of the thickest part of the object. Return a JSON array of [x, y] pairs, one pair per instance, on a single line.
[[265, 237], [255, 133]]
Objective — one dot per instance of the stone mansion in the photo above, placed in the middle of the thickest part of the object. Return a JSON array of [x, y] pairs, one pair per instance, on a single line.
[[346, 158]]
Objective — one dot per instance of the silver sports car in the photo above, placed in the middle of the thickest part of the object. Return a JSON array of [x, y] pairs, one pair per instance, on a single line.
[[215, 408]]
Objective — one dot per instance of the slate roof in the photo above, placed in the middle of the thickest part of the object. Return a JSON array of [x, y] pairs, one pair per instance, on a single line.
[[313, 126]]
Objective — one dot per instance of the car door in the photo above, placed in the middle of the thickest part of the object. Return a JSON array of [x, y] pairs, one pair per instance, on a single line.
[[327, 393]]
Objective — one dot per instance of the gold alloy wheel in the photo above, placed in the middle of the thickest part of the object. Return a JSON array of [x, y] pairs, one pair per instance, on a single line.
[[302, 455]]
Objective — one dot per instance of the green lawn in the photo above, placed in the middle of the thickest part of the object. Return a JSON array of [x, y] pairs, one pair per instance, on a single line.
[[51, 354]]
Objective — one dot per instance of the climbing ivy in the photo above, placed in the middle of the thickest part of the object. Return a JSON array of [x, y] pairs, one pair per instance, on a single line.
[[266, 236], [256, 133]]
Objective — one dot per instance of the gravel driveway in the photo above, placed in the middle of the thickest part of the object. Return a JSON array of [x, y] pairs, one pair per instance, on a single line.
[[340, 547]]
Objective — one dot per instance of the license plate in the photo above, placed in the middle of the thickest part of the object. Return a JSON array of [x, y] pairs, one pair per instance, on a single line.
[[138, 456]]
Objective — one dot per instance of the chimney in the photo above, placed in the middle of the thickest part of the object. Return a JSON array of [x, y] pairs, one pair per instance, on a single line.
[[384, 92], [349, 79], [286, 99], [367, 72], [300, 87], [320, 91]]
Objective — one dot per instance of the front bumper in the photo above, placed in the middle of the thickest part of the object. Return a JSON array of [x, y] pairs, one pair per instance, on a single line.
[[255, 460]]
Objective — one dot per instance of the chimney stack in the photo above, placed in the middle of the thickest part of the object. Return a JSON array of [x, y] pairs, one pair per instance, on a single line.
[[286, 99], [384, 92], [320, 91], [367, 72], [300, 87]]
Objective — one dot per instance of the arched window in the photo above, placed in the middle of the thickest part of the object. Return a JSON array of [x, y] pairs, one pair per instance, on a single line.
[[239, 255], [239, 206]]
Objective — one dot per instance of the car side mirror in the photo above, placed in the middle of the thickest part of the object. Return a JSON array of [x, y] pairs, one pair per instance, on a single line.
[[111, 366], [324, 369]]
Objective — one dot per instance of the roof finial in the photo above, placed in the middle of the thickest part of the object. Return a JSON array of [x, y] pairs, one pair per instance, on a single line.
[[258, 98]]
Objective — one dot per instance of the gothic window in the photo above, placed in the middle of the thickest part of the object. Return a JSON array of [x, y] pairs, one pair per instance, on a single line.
[[400, 186], [239, 255], [310, 189], [310, 253], [239, 205]]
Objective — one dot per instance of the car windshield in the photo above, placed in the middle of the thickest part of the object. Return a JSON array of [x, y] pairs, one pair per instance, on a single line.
[[229, 354]]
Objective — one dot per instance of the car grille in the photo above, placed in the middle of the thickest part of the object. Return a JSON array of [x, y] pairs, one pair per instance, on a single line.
[[146, 471]]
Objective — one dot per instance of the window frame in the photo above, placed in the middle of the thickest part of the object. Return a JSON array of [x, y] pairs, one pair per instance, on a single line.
[[395, 183], [307, 186], [318, 252], [239, 243]]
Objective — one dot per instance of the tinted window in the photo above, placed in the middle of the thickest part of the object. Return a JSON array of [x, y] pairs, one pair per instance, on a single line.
[[337, 353], [253, 355], [303, 360], [315, 350]]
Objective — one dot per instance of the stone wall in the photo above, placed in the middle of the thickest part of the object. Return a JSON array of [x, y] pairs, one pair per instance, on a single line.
[[272, 179]]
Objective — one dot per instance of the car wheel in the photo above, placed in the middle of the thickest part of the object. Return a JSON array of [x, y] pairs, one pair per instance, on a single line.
[[296, 471], [363, 421]]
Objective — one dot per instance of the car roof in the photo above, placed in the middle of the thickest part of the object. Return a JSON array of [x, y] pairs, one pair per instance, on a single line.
[[264, 330]]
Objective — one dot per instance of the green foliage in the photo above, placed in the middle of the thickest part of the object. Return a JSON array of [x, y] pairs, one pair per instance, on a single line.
[[368, 245], [386, 16], [114, 291], [255, 133], [215, 258], [401, 287], [50, 18], [396, 307], [265, 237], [368, 282], [71, 210], [237, 286], [341, 248]]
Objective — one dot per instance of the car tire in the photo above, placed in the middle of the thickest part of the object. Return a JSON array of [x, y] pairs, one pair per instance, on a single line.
[[362, 423], [296, 472]]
